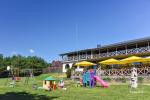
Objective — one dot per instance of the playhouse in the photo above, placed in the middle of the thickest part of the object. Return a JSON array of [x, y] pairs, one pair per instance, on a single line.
[[49, 83]]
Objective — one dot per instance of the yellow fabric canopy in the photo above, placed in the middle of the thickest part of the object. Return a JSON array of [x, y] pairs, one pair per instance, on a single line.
[[131, 59], [85, 64], [110, 61], [147, 59]]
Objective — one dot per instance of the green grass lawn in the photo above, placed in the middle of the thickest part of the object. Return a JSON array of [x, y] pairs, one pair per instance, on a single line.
[[114, 92]]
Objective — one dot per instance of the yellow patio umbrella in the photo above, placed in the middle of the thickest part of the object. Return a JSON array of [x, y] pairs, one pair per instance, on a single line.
[[131, 59], [110, 61], [147, 59], [85, 64]]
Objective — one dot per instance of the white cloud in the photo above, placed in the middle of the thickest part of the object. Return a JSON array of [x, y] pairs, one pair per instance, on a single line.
[[31, 51]]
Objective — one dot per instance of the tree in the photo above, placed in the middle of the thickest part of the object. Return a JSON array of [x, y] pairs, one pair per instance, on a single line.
[[22, 62], [1, 60], [36, 62], [7, 61], [68, 73]]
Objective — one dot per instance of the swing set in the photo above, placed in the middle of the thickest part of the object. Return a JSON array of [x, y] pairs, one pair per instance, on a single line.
[[14, 76]]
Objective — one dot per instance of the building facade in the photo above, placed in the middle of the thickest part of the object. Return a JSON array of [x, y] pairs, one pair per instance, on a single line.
[[137, 47]]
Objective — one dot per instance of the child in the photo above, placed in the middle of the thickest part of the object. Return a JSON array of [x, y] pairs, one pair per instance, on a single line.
[[61, 84]]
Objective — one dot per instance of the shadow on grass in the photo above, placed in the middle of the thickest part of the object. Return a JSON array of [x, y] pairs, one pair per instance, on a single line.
[[24, 96]]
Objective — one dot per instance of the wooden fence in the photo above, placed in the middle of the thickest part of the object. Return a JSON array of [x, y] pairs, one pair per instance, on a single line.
[[52, 70], [123, 72], [115, 74]]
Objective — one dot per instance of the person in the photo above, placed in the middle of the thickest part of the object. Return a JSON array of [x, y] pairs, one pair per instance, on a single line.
[[61, 84]]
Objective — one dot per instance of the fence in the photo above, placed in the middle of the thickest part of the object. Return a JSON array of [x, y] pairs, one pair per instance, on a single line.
[[116, 74], [52, 70], [124, 72]]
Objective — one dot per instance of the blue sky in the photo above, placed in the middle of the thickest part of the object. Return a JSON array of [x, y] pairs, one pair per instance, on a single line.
[[47, 28]]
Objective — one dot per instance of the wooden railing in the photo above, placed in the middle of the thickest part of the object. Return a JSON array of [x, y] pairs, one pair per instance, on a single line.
[[123, 72], [121, 52], [109, 54]]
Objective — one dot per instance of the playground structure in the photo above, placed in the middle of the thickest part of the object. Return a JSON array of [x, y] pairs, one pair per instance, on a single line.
[[49, 83], [89, 79], [14, 76], [13, 73], [29, 75]]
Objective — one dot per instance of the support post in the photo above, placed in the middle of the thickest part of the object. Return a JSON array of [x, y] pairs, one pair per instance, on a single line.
[[91, 54], [99, 53], [78, 56], [136, 48], [86, 55], [67, 58], [126, 49], [148, 47], [109, 72], [62, 57], [107, 52], [116, 52], [73, 57]]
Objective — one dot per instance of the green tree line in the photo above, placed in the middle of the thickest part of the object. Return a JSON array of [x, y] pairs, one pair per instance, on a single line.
[[22, 62]]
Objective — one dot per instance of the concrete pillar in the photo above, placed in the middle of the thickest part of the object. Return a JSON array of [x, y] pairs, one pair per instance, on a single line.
[[70, 65], [64, 69]]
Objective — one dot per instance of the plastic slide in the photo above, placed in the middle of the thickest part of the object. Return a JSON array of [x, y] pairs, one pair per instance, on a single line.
[[104, 84]]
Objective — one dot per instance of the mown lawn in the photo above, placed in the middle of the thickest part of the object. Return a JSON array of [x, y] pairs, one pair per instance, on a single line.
[[114, 92]]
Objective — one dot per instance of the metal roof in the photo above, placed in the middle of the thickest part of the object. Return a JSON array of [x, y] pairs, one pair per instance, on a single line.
[[129, 42]]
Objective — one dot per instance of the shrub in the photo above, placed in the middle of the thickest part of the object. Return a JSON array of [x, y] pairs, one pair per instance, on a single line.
[[140, 79], [123, 80], [108, 79], [68, 73]]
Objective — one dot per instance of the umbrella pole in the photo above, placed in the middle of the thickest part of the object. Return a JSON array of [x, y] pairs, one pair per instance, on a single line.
[[112, 67]]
